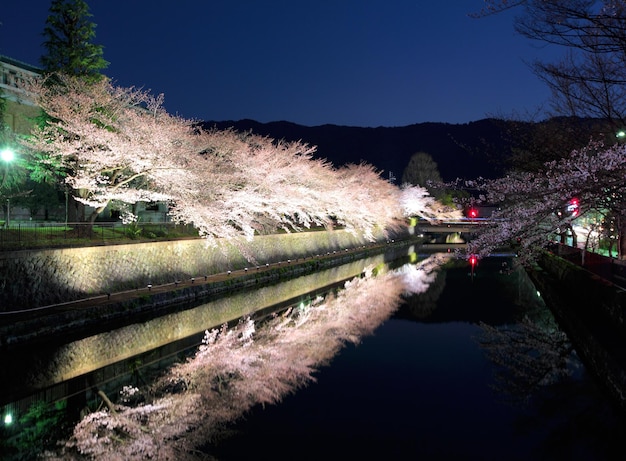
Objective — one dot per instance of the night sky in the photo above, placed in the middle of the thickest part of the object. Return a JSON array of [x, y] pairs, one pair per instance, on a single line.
[[361, 63]]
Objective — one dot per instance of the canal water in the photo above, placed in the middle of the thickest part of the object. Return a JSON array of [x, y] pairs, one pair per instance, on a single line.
[[468, 364], [476, 368]]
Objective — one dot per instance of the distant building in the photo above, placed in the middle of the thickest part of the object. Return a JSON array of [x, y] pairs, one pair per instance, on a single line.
[[20, 106]]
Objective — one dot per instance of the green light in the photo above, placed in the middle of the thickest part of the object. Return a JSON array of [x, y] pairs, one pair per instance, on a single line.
[[7, 155], [621, 134], [8, 419]]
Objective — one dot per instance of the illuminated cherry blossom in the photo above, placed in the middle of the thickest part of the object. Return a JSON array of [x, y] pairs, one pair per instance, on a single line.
[[533, 207], [119, 146]]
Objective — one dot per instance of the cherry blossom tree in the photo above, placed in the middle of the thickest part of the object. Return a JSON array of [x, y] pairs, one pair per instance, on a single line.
[[245, 184], [120, 146], [533, 205], [415, 201], [115, 142], [588, 84]]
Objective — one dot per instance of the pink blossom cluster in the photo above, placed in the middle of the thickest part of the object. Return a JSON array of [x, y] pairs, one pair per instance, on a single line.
[[118, 146], [533, 207]]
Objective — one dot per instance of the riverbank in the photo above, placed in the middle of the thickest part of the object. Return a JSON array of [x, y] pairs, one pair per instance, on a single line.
[[36, 278], [70, 320], [591, 311]]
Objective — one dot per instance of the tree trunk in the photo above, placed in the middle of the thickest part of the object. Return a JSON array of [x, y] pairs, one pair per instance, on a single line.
[[621, 244], [76, 210], [107, 401], [92, 217], [621, 237]]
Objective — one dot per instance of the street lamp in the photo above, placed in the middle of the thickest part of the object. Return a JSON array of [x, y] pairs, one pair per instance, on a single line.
[[7, 156]]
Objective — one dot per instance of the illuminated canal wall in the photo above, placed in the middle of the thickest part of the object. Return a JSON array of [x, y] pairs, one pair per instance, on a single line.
[[31, 371], [89, 354], [38, 278]]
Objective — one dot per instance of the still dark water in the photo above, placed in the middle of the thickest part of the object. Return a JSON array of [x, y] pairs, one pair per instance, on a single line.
[[424, 388]]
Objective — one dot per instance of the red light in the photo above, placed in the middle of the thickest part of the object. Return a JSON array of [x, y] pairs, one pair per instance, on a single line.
[[473, 260], [573, 206], [473, 213]]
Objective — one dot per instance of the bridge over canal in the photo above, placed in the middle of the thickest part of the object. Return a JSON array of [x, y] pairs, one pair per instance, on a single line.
[[456, 231]]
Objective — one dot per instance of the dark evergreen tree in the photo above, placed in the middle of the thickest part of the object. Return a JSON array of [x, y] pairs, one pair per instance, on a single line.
[[3, 107], [422, 171], [68, 41], [69, 35]]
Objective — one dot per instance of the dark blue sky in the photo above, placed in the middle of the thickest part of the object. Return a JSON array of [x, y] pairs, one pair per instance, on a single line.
[[345, 62]]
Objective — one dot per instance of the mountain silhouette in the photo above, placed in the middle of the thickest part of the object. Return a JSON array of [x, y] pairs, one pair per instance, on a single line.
[[460, 150]]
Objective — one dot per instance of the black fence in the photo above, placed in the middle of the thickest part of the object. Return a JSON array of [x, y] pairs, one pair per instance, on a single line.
[[31, 235]]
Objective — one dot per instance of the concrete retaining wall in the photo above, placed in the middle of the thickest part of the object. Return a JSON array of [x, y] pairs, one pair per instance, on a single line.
[[591, 310], [37, 278], [584, 288]]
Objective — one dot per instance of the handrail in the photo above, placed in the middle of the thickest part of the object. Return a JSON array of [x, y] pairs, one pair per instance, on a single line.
[[37, 234]]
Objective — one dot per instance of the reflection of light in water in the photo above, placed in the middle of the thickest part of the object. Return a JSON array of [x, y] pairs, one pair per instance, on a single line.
[[88, 354], [455, 237], [242, 367]]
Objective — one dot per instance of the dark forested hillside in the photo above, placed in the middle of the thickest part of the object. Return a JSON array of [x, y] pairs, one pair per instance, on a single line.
[[466, 150], [485, 148]]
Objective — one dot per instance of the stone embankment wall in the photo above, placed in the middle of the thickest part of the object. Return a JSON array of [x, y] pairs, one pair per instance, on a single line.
[[584, 288], [592, 311], [36, 278]]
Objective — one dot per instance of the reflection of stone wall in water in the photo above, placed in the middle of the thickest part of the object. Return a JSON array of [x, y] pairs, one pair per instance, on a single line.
[[37, 278], [89, 354]]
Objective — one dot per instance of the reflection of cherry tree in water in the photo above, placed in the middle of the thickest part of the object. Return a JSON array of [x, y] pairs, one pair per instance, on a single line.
[[422, 305], [528, 356], [239, 368], [539, 371], [506, 276], [532, 353]]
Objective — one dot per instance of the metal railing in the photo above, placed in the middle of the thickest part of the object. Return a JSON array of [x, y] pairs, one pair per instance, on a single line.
[[31, 234], [610, 269]]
